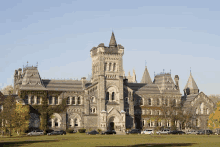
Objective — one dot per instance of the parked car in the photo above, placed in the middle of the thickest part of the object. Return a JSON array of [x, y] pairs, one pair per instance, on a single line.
[[199, 132], [207, 132], [177, 132], [134, 131], [109, 132], [166, 131], [36, 132], [148, 131], [61, 132], [94, 132], [217, 131], [192, 132]]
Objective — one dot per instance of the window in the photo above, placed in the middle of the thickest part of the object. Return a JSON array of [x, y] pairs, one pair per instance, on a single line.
[[38, 100], [50, 123], [158, 112], [149, 102], [113, 95], [94, 111], [202, 108], [50, 100], [76, 122], [79, 101], [73, 101], [151, 113], [26, 99], [143, 122], [107, 96], [68, 101], [197, 122], [207, 111], [56, 123], [158, 102], [110, 66], [174, 102], [141, 102], [126, 100], [56, 100], [105, 66], [32, 99], [92, 99], [197, 111]]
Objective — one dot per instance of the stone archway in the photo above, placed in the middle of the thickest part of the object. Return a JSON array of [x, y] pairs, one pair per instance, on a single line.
[[114, 123]]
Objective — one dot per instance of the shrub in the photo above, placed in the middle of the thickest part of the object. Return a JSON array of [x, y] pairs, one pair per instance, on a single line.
[[99, 130], [69, 130], [82, 130]]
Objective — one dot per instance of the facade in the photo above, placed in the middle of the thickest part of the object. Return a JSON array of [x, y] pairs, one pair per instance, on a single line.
[[111, 100]]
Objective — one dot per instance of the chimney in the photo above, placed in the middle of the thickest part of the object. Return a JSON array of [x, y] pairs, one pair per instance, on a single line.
[[83, 79]]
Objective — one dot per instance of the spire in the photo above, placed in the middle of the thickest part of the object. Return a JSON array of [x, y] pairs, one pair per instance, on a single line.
[[134, 77], [146, 77], [191, 85], [112, 40]]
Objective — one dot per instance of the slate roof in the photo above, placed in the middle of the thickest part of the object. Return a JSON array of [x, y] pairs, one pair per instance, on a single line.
[[112, 40], [188, 99], [32, 80], [144, 88], [191, 84], [146, 77], [63, 85]]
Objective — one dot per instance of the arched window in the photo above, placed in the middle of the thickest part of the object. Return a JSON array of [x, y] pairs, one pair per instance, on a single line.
[[107, 96], [38, 100], [110, 66], [149, 102], [105, 66], [92, 99], [32, 99], [73, 100], [202, 108], [78, 101], [207, 111], [158, 102], [143, 122], [114, 66], [141, 102], [26, 99], [126, 100], [94, 111], [76, 122], [113, 95], [56, 123], [56, 100], [68, 101], [50, 100]]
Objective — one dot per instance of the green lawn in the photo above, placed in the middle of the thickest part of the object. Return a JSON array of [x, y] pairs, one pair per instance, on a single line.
[[79, 140]]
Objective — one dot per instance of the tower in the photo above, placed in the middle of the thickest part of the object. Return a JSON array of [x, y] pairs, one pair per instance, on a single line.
[[191, 86], [107, 71]]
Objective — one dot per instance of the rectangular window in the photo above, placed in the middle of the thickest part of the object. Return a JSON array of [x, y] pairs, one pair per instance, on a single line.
[[56, 100], [38, 100], [32, 99], [26, 99], [73, 101], [50, 100]]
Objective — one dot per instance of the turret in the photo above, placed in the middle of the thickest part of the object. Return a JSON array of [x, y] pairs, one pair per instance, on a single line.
[[83, 79], [191, 87], [176, 79]]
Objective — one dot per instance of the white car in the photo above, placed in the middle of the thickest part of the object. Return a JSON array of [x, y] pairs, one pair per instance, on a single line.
[[166, 131], [148, 131], [35, 133]]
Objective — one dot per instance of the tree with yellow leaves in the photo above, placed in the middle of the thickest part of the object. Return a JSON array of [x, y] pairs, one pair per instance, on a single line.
[[21, 118], [214, 118]]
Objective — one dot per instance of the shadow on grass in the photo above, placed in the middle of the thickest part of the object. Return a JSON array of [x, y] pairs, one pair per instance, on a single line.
[[160, 145], [20, 143]]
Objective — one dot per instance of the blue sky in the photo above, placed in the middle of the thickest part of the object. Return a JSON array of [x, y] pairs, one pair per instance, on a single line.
[[58, 35]]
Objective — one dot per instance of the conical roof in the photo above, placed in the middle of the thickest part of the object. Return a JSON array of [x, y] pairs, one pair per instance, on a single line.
[[112, 40], [191, 84], [146, 77]]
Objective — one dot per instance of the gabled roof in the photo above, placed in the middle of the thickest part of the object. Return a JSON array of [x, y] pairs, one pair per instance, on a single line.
[[141, 88], [146, 77], [112, 40], [191, 84]]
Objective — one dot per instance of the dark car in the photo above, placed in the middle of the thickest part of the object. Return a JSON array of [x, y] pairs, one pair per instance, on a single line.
[[109, 132], [206, 132], [61, 132], [94, 132], [134, 131], [177, 132]]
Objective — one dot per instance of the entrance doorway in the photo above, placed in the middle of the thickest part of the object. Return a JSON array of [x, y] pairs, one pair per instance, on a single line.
[[112, 125]]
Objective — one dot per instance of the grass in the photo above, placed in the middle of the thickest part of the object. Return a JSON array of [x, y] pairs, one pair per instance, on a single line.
[[79, 140]]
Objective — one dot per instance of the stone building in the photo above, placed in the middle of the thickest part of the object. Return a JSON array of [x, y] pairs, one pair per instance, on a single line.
[[111, 100]]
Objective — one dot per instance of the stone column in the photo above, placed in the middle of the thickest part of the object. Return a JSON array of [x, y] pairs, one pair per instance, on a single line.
[[29, 99], [71, 100], [41, 100], [35, 99], [107, 68], [59, 123], [52, 123]]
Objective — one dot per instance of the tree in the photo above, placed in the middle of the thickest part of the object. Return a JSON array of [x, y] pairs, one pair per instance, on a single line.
[[7, 90], [21, 119], [8, 113], [214, 118]]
